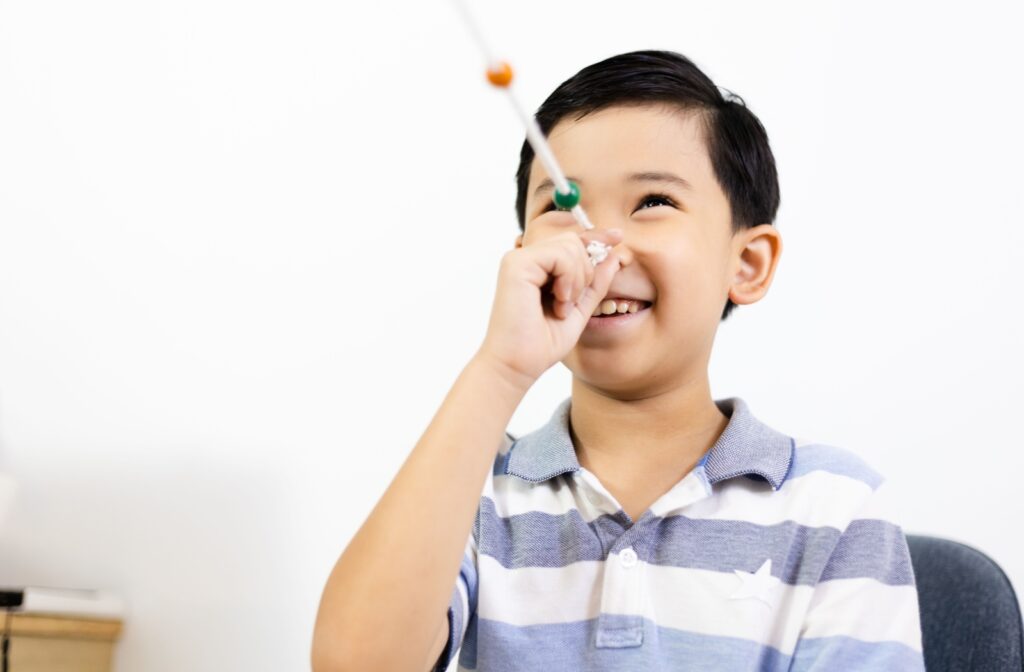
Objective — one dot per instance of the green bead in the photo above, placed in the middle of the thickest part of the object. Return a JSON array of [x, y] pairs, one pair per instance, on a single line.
[[567, 201]]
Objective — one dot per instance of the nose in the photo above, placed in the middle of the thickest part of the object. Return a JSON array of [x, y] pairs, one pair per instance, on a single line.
[[604, 217], [624, 251]]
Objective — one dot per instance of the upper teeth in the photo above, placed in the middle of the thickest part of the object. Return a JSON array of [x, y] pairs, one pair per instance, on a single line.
[[610, 306]]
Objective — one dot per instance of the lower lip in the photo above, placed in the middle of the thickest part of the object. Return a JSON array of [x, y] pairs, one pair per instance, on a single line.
[[616, 321]]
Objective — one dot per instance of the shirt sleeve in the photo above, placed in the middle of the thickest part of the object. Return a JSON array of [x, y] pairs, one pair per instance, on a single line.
[[864, 614], [462, 604]]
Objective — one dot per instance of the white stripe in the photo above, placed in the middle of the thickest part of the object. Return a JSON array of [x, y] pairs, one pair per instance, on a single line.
[[885, 503], [461, 586], [867, 610], [696, 600], [532, 595], [687, 599], [817, 499]]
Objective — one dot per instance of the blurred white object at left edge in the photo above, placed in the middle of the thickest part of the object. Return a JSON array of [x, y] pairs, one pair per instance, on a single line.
[[8, 488]]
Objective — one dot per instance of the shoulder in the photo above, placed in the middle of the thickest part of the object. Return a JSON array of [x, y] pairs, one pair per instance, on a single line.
[[836, 486], [816, 460], [507, 493]]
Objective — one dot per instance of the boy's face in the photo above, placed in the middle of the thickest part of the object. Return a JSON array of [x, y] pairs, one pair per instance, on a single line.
[[646, 170]]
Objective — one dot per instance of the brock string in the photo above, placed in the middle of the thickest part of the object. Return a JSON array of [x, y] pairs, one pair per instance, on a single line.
[[566, 194]]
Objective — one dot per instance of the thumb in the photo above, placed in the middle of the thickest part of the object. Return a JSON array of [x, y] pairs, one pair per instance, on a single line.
[[598, 288]]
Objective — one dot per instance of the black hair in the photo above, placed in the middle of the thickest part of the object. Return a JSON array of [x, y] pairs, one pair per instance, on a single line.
[[737, 143]]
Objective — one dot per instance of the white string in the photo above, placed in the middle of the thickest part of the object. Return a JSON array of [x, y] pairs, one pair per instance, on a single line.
[[534, 135], [474, 30], [540, 145]]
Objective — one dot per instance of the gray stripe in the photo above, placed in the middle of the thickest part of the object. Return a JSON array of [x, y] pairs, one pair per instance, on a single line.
[[495, 646], [800, 555], [873, 548]]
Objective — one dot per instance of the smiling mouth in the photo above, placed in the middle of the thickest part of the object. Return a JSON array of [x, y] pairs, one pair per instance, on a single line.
[[613, 322], [610, 308]]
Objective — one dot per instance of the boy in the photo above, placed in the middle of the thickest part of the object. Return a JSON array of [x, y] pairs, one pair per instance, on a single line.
[[646, 526]]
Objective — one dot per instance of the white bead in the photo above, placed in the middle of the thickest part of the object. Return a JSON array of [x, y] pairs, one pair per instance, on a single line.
[[598, 252]]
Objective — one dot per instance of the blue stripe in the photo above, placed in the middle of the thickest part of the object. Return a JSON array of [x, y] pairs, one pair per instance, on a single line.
[[468, 576], [800, 555], [572, 647], [798, 552], [871, 548], [456, 617], [847, 653], [820, 457], [501, 464]]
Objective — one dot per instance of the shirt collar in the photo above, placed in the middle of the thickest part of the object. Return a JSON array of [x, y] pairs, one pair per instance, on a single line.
[[747, 447]]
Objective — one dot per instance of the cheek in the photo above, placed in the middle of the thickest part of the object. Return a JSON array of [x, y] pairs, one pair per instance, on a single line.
[[684, 273]]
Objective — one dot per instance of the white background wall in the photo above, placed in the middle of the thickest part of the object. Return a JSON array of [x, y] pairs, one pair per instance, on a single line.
[[218, 342]]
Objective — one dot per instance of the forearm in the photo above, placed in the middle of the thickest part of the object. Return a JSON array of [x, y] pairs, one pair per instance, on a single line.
[[390, 588]]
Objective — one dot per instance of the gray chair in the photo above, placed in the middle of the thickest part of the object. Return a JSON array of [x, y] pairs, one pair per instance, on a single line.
[[970, 618]]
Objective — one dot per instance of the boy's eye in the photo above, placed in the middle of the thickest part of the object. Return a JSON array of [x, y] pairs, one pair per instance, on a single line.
[[648, 201], [654, 200]]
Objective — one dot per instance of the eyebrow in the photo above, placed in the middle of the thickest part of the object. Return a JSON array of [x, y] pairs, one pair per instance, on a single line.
[[666, 178], [650, 176]]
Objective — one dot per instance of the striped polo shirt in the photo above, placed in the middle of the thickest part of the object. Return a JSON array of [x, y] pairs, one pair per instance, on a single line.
[[773, 553]]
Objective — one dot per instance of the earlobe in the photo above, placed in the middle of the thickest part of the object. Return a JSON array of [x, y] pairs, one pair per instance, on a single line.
[[760, 249], [519, 241]]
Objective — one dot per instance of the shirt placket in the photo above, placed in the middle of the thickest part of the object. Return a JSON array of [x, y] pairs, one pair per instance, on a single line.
[[620, 622], [624, 590]]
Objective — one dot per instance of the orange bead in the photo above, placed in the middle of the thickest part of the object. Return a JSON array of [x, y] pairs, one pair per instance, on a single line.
[[500, 75]]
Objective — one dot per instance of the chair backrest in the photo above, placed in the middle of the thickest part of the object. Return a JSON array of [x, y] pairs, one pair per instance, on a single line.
[[970, 617]]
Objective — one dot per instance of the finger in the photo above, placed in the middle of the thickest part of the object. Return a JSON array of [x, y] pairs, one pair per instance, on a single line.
[[607, 236], [578, 260], [558, 264], [582, 260], [598, 289], [588, 273], [547, 260], [562, 288], [568, 284], [561, 265]]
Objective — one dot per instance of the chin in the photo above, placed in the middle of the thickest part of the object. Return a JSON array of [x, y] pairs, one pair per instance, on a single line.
[[621, 379]]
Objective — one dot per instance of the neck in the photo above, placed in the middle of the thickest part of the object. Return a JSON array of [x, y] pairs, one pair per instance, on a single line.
[[636, 437]]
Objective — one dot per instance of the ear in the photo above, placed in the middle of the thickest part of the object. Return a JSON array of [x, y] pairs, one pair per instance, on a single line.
[[756, 253], [519, 240]]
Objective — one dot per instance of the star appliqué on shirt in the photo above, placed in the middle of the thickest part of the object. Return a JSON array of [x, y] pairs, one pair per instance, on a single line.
[[760, 585]]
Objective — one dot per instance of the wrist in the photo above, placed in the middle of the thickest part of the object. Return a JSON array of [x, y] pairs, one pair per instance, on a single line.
[[510, 380]]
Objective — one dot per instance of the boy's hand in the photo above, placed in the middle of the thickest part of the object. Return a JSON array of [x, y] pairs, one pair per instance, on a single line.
[[547, 291]]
